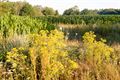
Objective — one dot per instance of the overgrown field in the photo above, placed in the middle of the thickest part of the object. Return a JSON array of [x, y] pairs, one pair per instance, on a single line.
[[74, 27], [34, 49]]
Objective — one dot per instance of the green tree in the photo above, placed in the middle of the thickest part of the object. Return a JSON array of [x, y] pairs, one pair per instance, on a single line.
[[56, 13], [17, 7], [37, 11], [88, 12], [5, 7], [72, 11], [84, 12], [109, 11], [27, 9], [48, 11]]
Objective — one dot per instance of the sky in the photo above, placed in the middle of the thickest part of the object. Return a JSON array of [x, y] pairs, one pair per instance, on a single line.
[[62, 5]]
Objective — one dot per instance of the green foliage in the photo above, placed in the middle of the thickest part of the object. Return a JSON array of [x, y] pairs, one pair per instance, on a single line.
[[56, 13], [105, 26], [36, 11], [48, 11], [109, 11], [72, 11], [11, 7], [89, 12], [87, 19], [5, 7], [15, 25], [26, 10], [108, 31], [14, 30]]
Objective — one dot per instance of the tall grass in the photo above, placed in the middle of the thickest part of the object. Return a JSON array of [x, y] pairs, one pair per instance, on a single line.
[[110, 32]]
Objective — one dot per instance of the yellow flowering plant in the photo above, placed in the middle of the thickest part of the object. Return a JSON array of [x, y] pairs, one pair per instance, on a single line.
[[18, 69], [94, 50], [54, 60], [15, 57]]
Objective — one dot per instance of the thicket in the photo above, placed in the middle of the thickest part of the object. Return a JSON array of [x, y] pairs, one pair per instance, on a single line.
[[87, 19]]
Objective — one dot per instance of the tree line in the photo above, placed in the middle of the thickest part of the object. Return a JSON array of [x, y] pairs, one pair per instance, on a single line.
[[75, 11], [26, 9]]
